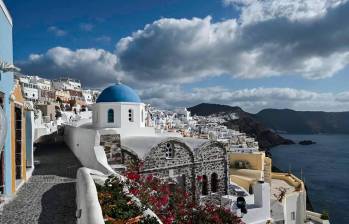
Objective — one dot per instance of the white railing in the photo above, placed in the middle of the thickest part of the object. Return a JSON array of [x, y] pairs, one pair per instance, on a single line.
[[88, 210]]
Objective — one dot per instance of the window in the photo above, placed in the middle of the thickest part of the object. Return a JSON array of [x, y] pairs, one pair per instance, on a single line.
[[130, 115], [214, 182], [250, 189], [142, 114], [293, 216], [204, 190], [169, 151], [110, 116]]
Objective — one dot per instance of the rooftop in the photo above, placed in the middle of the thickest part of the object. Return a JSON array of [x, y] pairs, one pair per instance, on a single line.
[[118, 93]]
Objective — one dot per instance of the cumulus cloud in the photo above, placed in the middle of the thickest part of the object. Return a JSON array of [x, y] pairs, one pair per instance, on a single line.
[[252, 100], [57, 31], [86, 27], [308, 38], [253, 11], [184, 50], [94, 67], [295, 38], [103, 39]]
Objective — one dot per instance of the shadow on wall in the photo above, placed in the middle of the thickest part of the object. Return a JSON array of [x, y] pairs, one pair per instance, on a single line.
[[58, 205]]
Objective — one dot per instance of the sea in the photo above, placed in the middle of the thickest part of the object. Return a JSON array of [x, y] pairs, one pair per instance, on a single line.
[[324, 167]]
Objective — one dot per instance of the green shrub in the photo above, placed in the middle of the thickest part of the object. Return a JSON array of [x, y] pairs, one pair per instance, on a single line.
[[325, 215]]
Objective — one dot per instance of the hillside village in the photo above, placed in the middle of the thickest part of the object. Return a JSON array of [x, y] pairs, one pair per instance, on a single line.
[[109, 130], [76, 155]]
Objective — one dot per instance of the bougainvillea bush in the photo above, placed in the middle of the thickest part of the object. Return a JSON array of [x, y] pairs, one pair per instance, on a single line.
[[118, 207], [170, 202]]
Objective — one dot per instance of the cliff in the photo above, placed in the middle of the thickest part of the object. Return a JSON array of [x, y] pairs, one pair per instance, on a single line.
[[304, 122], [246, 123]]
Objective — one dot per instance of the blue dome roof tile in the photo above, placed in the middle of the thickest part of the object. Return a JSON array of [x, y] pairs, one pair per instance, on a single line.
[[118, 93]]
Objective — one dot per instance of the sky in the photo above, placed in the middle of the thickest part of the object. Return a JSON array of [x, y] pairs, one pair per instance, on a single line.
[[247, 53]]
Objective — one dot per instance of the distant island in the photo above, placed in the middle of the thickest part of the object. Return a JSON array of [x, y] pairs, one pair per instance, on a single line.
[[304, 122], [306, 142]]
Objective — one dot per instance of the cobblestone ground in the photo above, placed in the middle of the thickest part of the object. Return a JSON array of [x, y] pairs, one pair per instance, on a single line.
[[49, 195]]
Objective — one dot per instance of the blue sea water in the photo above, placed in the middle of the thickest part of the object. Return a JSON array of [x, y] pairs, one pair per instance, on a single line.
[[325, 167]]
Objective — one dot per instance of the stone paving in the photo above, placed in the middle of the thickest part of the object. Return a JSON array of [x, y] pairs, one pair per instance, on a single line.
[[49, 195]]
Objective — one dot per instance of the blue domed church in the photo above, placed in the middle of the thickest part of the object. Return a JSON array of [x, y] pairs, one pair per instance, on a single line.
[[119, 120], [119, 107]]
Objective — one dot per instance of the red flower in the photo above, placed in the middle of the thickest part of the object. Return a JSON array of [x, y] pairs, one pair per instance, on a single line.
[[134, 191], [164, 200], [169, 219], [216, 218], [199, 178], [133, 176], [149, 178]]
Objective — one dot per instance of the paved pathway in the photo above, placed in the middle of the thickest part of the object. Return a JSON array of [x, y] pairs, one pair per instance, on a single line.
[[49, 195]]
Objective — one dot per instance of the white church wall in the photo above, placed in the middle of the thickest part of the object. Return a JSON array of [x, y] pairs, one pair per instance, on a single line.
[[84, 143], [135, 118], [100, 115], [121, 115]]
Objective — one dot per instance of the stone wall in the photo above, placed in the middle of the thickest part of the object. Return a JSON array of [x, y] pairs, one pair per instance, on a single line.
[[112, 148], [211, 159], [184, 165], [181, 163]]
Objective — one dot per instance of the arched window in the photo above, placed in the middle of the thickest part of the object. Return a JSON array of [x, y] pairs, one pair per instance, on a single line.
[[110, 116], [250, 189], [204, 190], [130, 115], [214, 182], [169, 151], [184, 181]]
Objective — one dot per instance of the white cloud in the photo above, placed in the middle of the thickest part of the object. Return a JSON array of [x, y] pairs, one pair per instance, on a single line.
[[184, 50], [57, 31], [188, 50], [270, 38], [94, 67], [252, 100], [253, 11], [88, 27], [103, 39]]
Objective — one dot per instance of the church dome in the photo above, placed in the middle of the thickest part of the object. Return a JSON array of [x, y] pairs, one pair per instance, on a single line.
[[118, 93]]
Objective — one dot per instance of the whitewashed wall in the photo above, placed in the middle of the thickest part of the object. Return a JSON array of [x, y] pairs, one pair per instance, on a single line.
[[84, 143], [89, 210]]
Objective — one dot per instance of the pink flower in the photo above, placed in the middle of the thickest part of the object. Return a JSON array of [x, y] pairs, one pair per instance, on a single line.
[[164, 200], [133, 176], [149, 178], [134, 191]]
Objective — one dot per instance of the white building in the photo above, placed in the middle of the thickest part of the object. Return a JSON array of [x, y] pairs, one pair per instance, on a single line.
[[41, 83], [120, 108], [183, 114], [30, 91], [88, 96], [257, 204], [66, 84]]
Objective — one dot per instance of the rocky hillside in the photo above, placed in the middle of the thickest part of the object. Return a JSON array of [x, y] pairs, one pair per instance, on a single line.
[[246, 123], [304, 122]]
